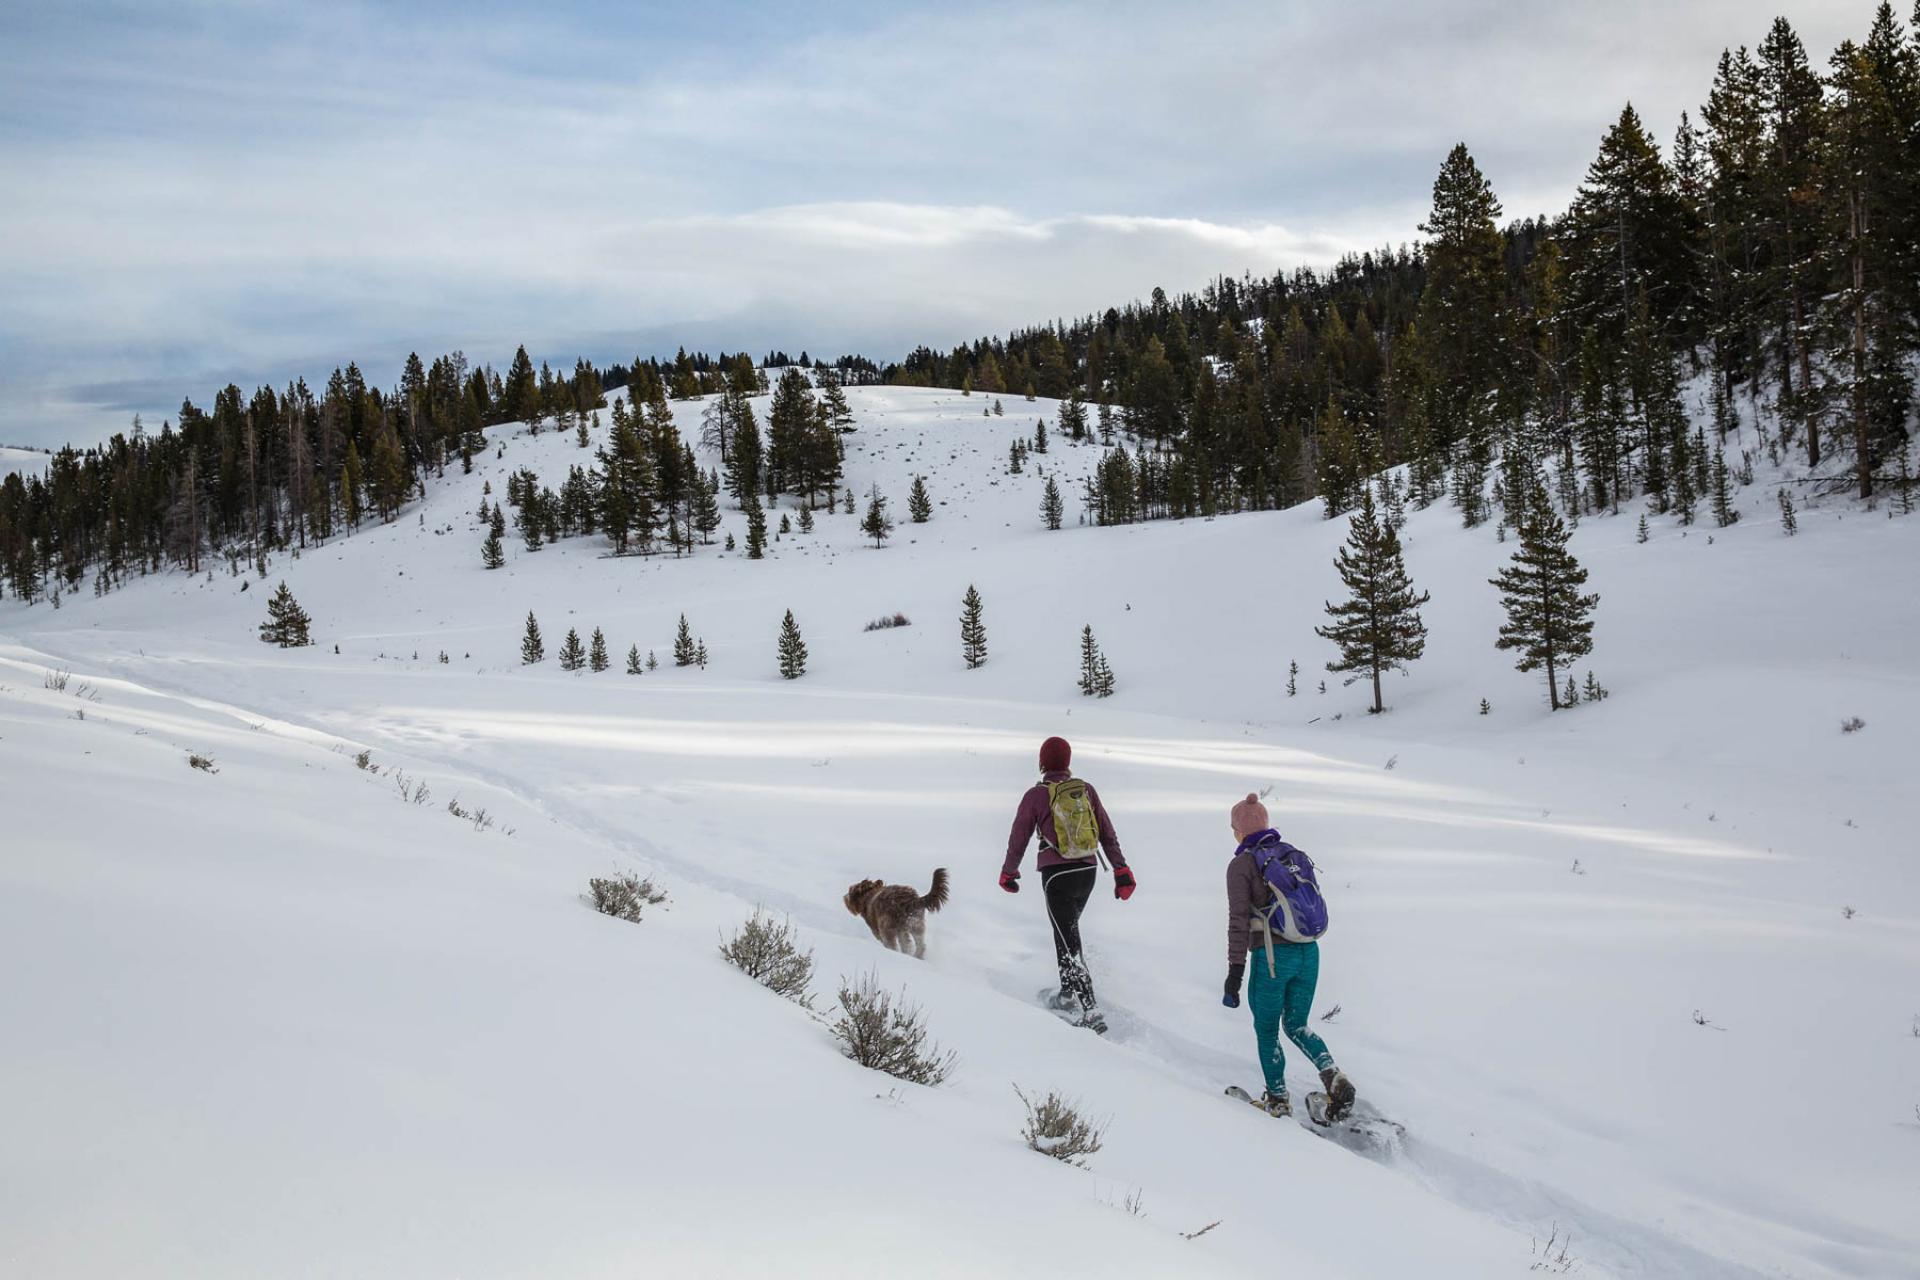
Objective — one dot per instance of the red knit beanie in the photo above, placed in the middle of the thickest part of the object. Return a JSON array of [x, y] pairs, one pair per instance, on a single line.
[[1055, 755]]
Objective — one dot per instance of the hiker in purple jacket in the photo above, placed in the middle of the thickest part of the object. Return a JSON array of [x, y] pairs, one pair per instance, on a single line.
[[1068, 866], [1285, 973]]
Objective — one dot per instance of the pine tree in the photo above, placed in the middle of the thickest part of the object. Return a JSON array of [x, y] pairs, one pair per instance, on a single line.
[[492, 553], [1379, 628], [1724, 512], [573, 654], [877, 524], [597, 652], [633, 661], [700, 655], [793, 650], [287, 624], [532, 650], [1293, 678], [1103, 679], [1052, 509], [973, 631], [746, 459], [1593, 691], [683, 651], [1039, 436], [756, 528], [1461, 337], [1089, 662], [529, 517], [806, 519], [1641, 534], [1548, 620], [1788, 522], [1013, 458], [706, 508], [350, 486], [1570, 696], [919, 505], [849, 506], [653, 663]]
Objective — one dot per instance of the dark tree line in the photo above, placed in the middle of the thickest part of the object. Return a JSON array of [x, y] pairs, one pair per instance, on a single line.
[[1774, 243], [285, 468]]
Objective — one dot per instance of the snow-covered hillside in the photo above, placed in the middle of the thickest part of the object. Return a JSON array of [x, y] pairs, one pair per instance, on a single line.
[[1641, 971], [25, 461]]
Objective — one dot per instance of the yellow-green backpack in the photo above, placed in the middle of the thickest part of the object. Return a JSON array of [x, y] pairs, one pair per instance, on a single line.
[[1075, 829]]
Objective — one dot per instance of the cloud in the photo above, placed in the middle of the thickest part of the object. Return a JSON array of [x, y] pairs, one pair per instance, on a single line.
[[208, 190]]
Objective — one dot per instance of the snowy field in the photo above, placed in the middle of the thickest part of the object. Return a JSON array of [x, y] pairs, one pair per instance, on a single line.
[[1642, 972]]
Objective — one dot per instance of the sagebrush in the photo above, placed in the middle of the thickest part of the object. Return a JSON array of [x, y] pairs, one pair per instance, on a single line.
[[624, 896], [1055, 1127], [877, 1032], [766, 951]]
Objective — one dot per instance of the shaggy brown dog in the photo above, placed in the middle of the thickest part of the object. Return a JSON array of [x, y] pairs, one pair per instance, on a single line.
[[896, 914]]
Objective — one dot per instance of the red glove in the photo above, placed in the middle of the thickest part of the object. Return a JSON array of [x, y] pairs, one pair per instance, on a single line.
[[1123, 884], [1010, 881]]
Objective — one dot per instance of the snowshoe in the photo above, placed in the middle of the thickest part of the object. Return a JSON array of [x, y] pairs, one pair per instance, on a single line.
[[1067, 1008], [1274, 1105], [1339, 1094]]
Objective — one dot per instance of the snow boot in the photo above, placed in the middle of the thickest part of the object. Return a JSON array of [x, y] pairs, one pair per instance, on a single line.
[[1275, 1104], [1339, 1093]]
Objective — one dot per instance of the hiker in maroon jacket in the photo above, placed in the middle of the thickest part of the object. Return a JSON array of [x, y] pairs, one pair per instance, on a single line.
[[1068, 865]]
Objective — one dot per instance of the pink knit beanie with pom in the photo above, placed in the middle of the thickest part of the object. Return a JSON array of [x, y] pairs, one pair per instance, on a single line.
[[1249, 816]]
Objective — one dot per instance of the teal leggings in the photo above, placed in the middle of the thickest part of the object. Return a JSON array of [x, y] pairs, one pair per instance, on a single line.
[[1283, 1000]]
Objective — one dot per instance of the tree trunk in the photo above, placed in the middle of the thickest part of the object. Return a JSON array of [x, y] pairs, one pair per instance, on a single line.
[[1807, 413], [1860, 442], [1553, 685], [1377, 707]]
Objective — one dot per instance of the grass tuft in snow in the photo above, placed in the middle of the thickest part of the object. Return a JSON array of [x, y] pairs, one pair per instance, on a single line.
[[1552, 1257], [1055, 1127], [876, 1032], [767, 952], [888, 622], [203, 763], [625, 896]]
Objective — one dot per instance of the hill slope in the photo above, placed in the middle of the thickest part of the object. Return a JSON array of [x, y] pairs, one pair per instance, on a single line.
[[318, 1028]]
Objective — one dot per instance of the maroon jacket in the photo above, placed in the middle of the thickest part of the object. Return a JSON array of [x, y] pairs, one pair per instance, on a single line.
[[1036, 814]]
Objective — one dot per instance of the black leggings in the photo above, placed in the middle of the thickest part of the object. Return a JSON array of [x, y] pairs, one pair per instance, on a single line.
[[1067, 886]]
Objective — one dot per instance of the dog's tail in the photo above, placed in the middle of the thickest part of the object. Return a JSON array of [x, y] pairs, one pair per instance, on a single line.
[[937, 896]]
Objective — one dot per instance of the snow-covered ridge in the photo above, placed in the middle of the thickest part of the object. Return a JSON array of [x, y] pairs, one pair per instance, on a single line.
[[282, 1021]]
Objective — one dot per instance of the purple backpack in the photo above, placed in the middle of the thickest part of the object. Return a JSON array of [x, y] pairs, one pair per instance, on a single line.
[[1297, 912]]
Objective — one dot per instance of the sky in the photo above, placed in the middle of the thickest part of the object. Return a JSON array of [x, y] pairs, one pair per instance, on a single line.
[[194, 192]]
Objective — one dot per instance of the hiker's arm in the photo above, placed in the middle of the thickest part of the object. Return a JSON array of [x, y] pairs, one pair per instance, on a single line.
[[1024, 821], [1108, 841], [1239, 909]]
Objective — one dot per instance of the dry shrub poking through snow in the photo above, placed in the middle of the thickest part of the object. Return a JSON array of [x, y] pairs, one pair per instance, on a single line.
[[875, 1032], [203, 763], [1852, 724], [624, 896], [1056, 1128], [766, 952], [889, 622]]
